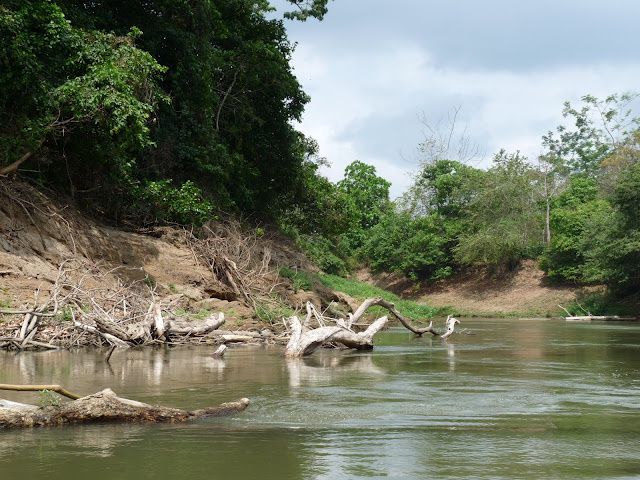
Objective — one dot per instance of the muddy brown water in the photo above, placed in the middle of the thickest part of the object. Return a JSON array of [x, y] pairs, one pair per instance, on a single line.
[[511, 399]]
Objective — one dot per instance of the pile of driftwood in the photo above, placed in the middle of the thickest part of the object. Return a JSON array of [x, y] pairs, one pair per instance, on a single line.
[[238, 260], [104, 406], [83, 309]]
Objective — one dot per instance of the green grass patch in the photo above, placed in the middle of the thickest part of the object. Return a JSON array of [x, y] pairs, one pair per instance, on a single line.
[[360, 291], [300, 280], [273, 312], [190, 316]]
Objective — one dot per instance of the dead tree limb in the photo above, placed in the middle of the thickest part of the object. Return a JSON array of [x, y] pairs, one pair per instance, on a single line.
[[39, 388], [304, 340], [370, 302], [219, 353], [14, 166], [209, 325], [450, 324]]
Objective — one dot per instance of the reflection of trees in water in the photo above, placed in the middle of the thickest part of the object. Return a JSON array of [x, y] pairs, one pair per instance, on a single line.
[[196, 450], [329, 367], [89, 440]]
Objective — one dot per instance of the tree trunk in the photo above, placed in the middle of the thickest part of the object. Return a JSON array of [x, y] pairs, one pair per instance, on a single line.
[[102, 407]]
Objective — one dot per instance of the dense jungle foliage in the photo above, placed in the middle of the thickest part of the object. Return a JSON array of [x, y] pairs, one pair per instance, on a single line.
[[154, 110], [176, 111]]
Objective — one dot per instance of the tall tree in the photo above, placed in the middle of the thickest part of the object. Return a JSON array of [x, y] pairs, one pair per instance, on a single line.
[[504, 221], [369, 195]]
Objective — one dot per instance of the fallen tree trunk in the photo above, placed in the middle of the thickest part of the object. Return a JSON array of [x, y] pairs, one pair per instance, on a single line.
[[105, 406], [209, 325], [304, 340]]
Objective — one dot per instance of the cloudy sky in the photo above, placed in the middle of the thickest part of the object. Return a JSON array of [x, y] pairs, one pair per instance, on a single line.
[[375, 69]]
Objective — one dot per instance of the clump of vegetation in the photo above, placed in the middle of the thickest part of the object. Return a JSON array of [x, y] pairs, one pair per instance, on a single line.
[[601, 303], [207, 128], [48, 398], [300, 280], [361, 291], [65, 314], [272, 311]]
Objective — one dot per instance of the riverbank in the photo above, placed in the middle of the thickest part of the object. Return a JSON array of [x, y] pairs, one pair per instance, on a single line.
[[524, 292], [69, 280]]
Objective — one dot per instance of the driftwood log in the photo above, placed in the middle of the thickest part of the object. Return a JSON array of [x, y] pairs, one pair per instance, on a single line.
[[304, 339], [105, 407]]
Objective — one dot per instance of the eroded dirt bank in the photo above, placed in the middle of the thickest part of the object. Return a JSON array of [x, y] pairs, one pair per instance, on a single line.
[[524, 292], [73, 269]]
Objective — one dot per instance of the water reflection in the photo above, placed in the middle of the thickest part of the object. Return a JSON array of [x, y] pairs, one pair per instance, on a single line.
[[329, 367], [451, 355]]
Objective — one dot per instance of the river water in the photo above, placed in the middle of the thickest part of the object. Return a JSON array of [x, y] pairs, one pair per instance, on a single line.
[[503, 399]]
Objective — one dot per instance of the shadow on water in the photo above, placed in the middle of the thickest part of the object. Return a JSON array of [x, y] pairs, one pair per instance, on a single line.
[[517, 399]]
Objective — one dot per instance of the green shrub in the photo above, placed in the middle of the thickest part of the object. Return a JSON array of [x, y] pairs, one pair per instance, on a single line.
[[272, 312], [185, 205], [416, 247], [322, 252], [48, 399]]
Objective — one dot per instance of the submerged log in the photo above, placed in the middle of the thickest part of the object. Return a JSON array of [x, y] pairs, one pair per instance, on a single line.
[[105, 406], [219, 353]]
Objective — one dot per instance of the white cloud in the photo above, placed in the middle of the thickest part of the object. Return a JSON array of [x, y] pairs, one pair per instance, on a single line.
[[365, 104]]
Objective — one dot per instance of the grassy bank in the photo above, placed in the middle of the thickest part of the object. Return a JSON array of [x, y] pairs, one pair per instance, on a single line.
[[360, 291]]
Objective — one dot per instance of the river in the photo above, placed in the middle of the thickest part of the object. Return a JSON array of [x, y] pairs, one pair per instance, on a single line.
[[504, 398]]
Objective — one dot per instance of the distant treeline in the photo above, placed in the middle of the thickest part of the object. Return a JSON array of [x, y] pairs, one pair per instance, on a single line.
[[576, 208]]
